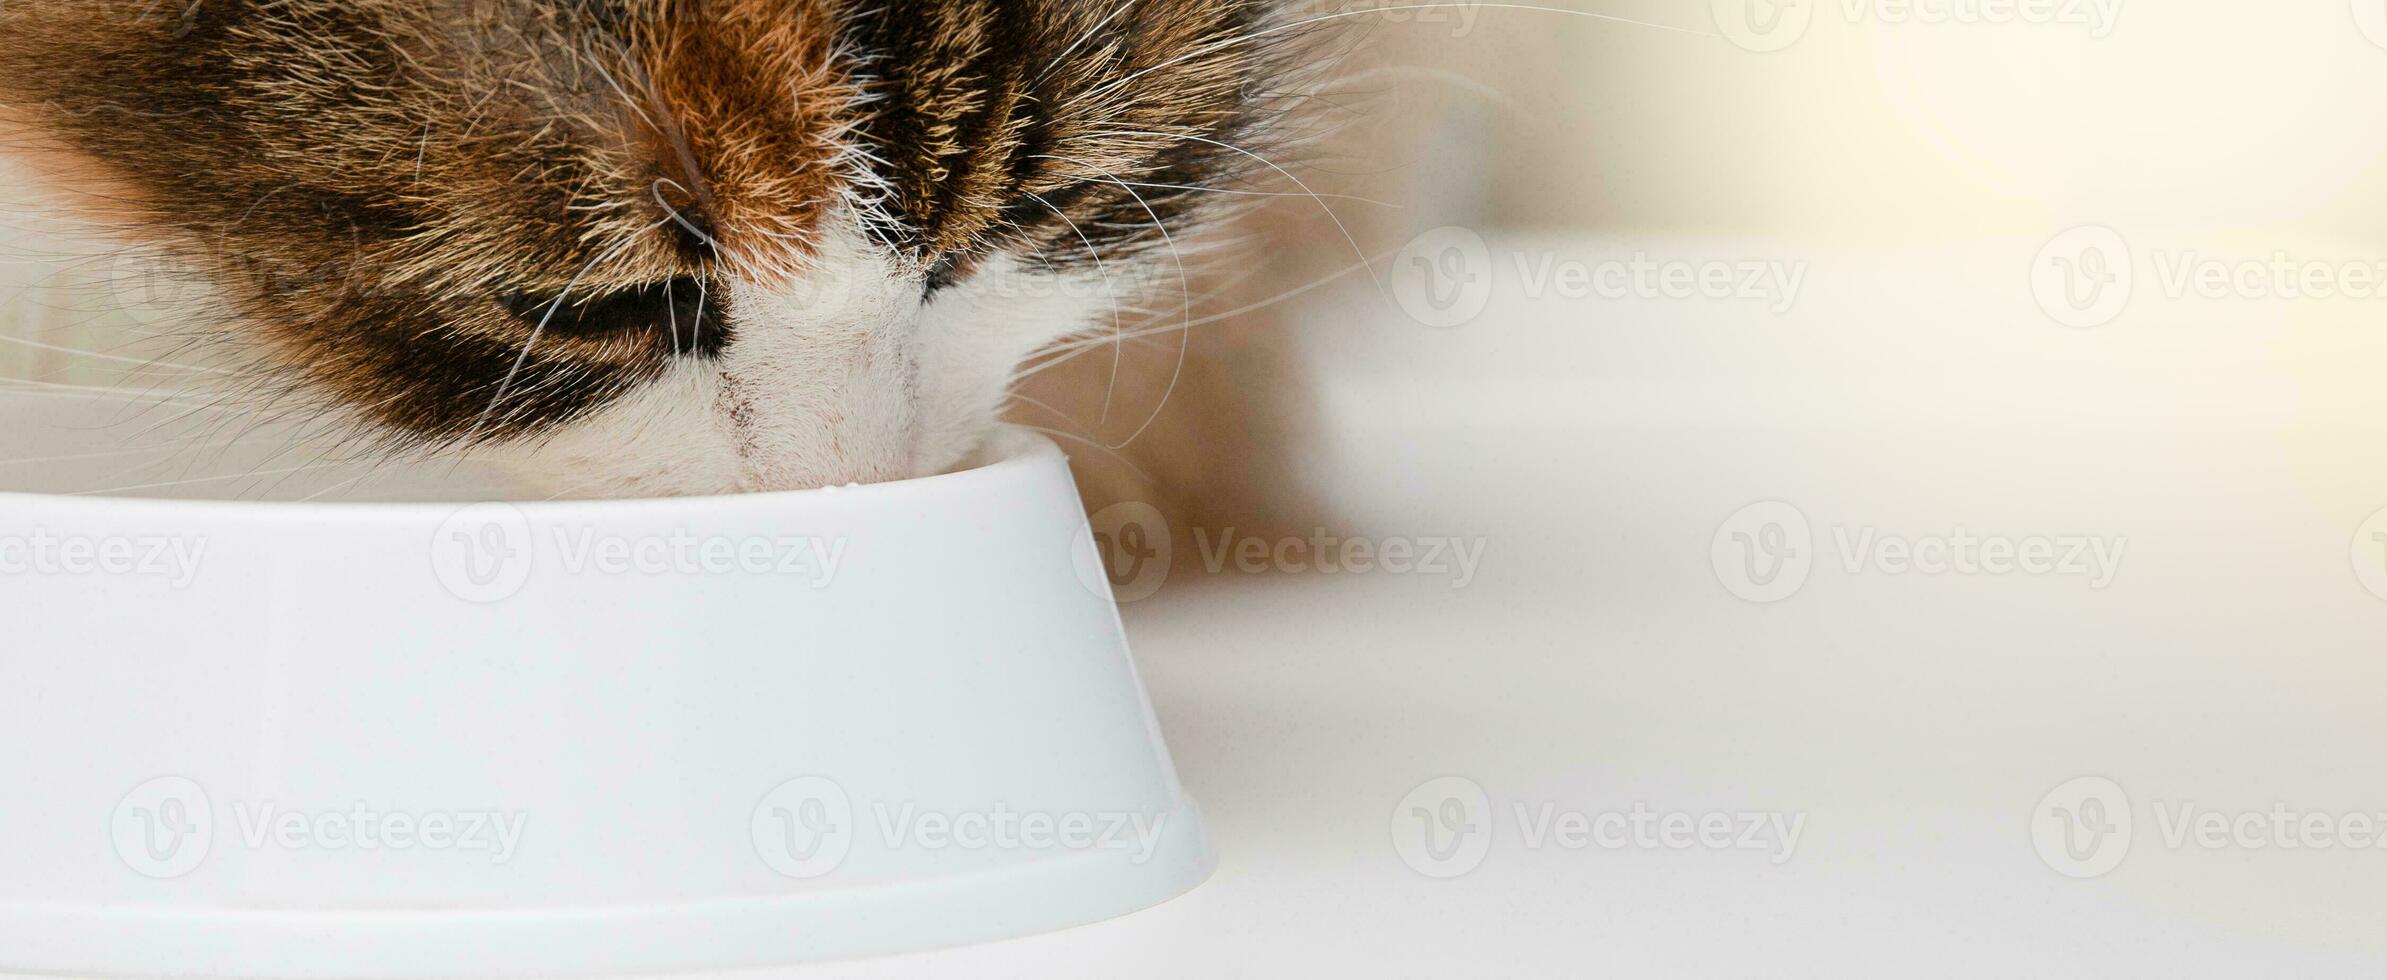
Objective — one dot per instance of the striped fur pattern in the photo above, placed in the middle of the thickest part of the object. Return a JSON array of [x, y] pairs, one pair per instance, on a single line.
[[649, 246]]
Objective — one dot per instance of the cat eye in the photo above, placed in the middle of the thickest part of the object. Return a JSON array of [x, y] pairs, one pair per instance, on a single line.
[[681, 309]]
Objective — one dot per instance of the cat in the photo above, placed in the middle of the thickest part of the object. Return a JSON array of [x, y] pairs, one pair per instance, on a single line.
[[652, 247]]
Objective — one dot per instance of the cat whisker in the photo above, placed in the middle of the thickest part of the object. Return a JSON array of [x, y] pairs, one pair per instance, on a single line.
[[645, 84], [1090, 443], [1185, 294], [1069, 350], [300, 435], [32, 387], [1451, 78], [195, 481], [165, 447], [576, 488], [1297, 182], [1108, 292], [1237, 192], [337, 487], [1063, 58], [146, 365]]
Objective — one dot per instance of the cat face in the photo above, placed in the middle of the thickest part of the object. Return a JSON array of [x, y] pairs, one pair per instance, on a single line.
[[651, 246]]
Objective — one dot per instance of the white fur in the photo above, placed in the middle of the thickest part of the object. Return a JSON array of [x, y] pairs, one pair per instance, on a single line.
[[842, 376]]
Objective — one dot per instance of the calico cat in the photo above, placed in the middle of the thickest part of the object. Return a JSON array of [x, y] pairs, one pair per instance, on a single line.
[[650, 246]]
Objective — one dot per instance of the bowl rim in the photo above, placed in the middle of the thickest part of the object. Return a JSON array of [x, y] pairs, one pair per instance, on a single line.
[[1012, 449]]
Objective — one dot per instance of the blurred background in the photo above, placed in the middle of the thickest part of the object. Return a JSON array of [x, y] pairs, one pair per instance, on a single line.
[[1911, 159]]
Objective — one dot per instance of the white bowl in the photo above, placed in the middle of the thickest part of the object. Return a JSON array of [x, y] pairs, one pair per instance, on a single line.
[[420, 739]]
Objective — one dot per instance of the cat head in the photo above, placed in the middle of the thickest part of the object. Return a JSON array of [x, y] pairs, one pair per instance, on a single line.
[[650, 246]]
